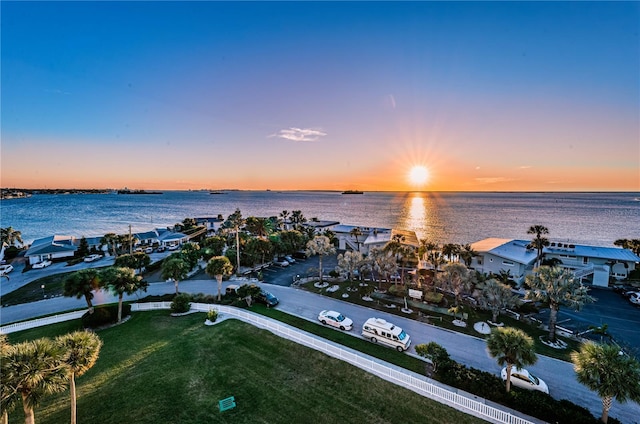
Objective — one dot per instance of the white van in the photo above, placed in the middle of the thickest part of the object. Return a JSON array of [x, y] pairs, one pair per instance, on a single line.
[[379, 330]]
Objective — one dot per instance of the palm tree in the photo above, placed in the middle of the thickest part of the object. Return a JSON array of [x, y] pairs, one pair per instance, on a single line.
[[218, 267], [190, 252], [82, 283], [455, 278], [396, 247], [8, 397], [111, 241], [32, 370], [297, 219], [10, 236], [558, 286], [122, 280], [212, 246], [259, 227], [284, 215], [236, 221], [176, 269], [82, 349], [609, 372], [349, 262], [467, 254], [539, 242], [320, 245], [384, 263], [511, 347], [495, 297], [356, 232], [451, 250], [633, 245]]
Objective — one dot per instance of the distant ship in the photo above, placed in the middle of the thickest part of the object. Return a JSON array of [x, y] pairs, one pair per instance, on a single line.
[[217, 192], [352, 192]]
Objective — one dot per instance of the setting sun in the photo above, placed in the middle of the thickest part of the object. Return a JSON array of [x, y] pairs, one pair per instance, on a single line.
[[419, 175]]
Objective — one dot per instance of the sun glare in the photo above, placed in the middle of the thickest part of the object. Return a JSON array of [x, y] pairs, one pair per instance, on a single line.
[[419, 175]]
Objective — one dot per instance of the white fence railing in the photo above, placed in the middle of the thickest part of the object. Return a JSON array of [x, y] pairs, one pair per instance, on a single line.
[[39, 322], [421, 386]]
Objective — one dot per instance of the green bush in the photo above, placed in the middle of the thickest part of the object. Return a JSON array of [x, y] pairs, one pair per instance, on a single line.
[[212, 315], [203, 298], [181, 303], [104, 315]]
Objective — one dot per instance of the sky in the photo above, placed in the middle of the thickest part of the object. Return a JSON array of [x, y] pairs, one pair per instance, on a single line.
[[398, 96]]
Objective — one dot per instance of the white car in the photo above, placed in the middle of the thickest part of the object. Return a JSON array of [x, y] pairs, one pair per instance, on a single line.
[[40, 265], [289, 259], [92, 258], [5, 269], [635, 298], [525, 380], [335, 319], [280, 262]]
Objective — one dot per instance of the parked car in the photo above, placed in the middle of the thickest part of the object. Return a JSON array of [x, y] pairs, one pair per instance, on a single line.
[[267, 298], [335, 319], [281, 262], [300, 254], [522, 378], [172, 247], [634, 298], [160, 249], [148, 250], [92, 258], [41, 265], [5, 269], [289, 259]]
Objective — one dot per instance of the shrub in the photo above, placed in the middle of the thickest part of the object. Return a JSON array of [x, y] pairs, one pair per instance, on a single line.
[[104, 315], [212, 315], [181, 303]]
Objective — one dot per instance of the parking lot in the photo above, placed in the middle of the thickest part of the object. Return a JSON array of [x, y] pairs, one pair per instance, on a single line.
[[303, 267]]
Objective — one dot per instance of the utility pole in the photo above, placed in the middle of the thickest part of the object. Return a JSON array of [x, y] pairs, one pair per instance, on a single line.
[[130, 241]]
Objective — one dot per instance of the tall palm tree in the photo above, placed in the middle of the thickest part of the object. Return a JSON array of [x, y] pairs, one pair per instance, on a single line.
[[82, 349], [284, 216], [219, 267], [396, 247], [559, 287], [467, 254], [320, 245], [111, 241], [355, 233], [451, 250], [425, 249], [297, 219], [122, 280], [32, 370], [236, 221], [82, 283], [10, 236], [609, 372], [455, 278], [495, 297], [259, 227], [511, 347], [384, 263], [176, 269], [349, 262], [539, 242]]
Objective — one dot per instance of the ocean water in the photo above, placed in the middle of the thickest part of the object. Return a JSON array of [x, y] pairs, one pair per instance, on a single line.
[[584, 218]]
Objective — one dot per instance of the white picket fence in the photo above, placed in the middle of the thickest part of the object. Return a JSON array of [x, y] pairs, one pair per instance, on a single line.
[[402, 378]]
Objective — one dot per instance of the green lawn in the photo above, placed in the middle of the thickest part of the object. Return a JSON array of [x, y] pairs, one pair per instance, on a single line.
[[159, 369]]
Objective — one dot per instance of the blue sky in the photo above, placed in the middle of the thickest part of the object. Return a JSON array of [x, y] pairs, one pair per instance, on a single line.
[[327, 95]]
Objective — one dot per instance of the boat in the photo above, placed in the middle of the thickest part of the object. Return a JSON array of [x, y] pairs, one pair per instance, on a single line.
[[352, 192], [217, 192]]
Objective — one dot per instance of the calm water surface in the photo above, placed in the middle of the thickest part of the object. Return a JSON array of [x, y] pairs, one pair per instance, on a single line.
[[588, 218]]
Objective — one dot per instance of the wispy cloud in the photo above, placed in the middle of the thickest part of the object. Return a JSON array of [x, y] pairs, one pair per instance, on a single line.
[[493, 180], [526, 167], [299, 134]]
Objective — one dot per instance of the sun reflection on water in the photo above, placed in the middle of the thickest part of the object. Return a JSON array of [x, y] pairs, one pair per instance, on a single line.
[[420, 214]]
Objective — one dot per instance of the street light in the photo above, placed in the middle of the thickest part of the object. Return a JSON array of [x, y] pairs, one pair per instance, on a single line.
[[42, 287]]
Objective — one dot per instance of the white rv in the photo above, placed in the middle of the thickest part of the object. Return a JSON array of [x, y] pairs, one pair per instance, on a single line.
[[379, 330]]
